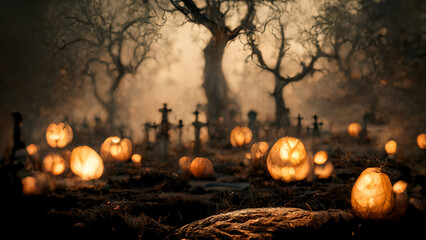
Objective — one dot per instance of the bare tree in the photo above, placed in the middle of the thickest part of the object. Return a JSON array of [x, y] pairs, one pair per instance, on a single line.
[[375, 45], [111, 39], [278, 69], [214, 15]]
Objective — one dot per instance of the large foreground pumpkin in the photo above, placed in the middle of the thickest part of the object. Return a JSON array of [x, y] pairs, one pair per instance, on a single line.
[[372, 195], [86, 163]]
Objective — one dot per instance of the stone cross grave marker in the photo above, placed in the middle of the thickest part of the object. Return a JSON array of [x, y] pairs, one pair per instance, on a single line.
[[197, 125]]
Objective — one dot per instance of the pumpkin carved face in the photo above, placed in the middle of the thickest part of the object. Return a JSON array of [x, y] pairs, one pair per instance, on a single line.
[[421, 141], [202, 168], [54, 163], [86, 163], [287, 160], [59, 135], [240, 136], [354, 129], [372, 195], [115, 148]]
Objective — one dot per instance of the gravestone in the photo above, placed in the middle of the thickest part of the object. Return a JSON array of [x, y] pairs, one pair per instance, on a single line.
[[253, 124], [299, 124], [162, 145], [197, 125], [316, 126]]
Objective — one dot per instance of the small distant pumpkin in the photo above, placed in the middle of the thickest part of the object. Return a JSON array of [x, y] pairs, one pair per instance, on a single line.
[[115, 148], [401, 199], [372, 196], [240, 136], [136, 158], [31, 149], [320, 157], [421, 140], [54, 163], [59, 135], [258, 155], [324, 171], [354, 129], [390, 147], [202, 168], [185, 163], [38, 184]]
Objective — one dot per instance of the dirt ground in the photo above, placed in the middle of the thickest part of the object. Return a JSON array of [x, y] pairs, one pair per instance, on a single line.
[[152, 199]]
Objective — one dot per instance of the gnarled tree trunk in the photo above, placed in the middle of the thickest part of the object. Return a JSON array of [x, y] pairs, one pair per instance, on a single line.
[[281, 111], [269, 223], [215, 85]]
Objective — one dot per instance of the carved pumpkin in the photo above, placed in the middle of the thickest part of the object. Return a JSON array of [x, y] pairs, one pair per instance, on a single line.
[[354, 129], [240, 136], [421, 140], [185, 163], [202, 168], [390, 147], [258, 154], [324, 171], [86, 163], [59, 135], [372, 195], [320, 157], [136, 158], [114, 148], [54, 163], [287, 160]]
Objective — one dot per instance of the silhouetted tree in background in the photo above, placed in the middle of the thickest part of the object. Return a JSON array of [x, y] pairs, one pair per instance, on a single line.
[[111, 39], [214, 15], [276, 23]]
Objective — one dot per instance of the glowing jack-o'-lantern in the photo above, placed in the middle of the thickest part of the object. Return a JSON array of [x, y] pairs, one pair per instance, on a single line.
[[240, 136], [54, 163], [59, 135], [287, 160], [185, 163], [354, 129], [115, 148], [390, 147], [320, 157], [372, 195], [202, 168], [258, 153], [421, 140], [86, 163]]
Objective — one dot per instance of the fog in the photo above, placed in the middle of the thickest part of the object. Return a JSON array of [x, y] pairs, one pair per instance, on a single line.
[[35, 83]]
